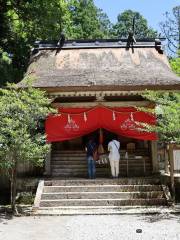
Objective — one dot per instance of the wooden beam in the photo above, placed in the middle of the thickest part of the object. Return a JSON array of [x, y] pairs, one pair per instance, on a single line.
[[94, 93], [154, 156], [166, 161], [107, 104]]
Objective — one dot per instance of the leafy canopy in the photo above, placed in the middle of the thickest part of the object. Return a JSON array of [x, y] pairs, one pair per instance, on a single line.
[[23, 22], [175, 64], [167, 111], [20, 138], [87, 21], [125, 22]]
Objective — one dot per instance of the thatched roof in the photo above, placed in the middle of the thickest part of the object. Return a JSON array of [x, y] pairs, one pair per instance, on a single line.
[[95, 66]]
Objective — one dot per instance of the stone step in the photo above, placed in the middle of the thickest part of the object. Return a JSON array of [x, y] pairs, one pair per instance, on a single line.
[[83, 157], [102, 210], [103, 181], [70, 161], [83, 175], [98, 170], [102, 188], [67, 155], [84, 166], [72, 152], [122, 166], [104, 202], [102, 174], [69, 158], [84, 195], [102, 195], [80, 170], [84, 161]]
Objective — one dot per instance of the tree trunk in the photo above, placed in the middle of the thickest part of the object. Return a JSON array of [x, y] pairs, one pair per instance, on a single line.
[[171, 161], [13, 185]]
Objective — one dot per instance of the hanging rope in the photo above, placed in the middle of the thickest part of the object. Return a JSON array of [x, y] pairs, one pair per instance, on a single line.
[[85, 117], [100, 147], [69, 118], [132, 117], [114, 116], [92, 109]]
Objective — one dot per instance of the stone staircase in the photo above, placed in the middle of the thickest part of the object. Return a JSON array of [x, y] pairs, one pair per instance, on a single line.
[[74, 164], [100, 196]]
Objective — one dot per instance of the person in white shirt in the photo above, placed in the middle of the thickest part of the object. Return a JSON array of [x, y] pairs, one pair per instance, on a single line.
[[114, 157]]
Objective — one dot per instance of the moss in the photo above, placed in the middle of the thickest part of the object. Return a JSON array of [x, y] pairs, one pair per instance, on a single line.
[[26, 198]]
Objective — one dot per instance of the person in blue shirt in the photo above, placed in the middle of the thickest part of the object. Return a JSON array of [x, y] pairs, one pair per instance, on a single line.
[[91, 148]]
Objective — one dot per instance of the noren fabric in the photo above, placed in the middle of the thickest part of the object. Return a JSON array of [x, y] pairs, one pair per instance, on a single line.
[[76, 122]]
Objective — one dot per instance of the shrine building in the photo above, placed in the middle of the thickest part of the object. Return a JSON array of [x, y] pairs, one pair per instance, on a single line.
[[97, 86]]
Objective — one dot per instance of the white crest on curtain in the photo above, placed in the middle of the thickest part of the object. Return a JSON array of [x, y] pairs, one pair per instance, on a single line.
[[129, 124]]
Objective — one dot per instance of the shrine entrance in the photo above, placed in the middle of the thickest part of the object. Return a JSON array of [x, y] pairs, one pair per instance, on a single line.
[[68, 158], [69, 131]]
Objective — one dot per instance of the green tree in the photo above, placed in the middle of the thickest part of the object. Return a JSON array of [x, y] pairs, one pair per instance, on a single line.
[[175, 64], [39, 20], [5, 67], [105, 24], [88, 22], [167, 111], [4, 25], [125, 22], [20, 139], [5, 61], [24, 22]]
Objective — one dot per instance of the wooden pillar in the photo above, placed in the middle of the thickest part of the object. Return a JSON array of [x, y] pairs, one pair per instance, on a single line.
[[166, 162], [154, 154], [48, 164], [171, 161]]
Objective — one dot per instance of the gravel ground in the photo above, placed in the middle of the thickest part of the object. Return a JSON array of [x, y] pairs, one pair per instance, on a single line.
[[117, 227]]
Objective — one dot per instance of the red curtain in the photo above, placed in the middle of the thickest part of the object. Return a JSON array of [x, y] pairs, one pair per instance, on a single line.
[[75, 122]]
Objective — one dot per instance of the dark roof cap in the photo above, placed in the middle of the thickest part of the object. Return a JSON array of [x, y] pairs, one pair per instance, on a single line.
[[98, 43]]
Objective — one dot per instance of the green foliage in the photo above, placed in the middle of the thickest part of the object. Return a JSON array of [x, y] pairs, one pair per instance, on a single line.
[[26, 198], [26, 22], [5, 67], [23, 22], [175, 64], [167, 111], [88, 22], [20, 140], [124, 25], [37, 20], [105, 24]]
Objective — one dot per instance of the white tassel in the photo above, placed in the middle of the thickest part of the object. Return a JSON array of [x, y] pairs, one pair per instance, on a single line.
[[114, 116], [69, 118], [132, 118], [85, 117]]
